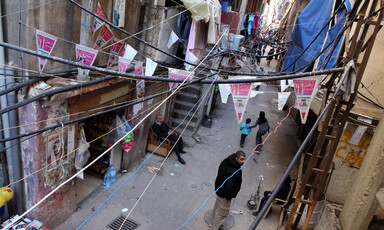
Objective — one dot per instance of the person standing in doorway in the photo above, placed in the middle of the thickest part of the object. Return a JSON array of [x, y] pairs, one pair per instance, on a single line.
[[225, 192], [263, 129]]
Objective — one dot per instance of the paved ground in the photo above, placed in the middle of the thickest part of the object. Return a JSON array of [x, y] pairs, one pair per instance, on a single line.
[[180, 190]]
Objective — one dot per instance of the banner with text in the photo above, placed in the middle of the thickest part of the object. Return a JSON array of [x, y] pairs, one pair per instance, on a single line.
[[306, 89], [104, 37], [240, 96], [115, 50], [45, 43], [178, 74], [140, 83], [98, 23], [86, 56], [123, 64]]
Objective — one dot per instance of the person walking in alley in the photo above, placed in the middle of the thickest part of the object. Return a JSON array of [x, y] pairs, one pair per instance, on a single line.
[[245, 130], [162, 130], [263, 129], [258, 58], [229, 189], [270, 56]]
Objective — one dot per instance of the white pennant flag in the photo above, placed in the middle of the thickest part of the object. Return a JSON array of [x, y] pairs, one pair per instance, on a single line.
[[192, 59], [284, 85], [150, 67], [129, 52], [283, 97], [225, 91], [45, 43], [172, 39]]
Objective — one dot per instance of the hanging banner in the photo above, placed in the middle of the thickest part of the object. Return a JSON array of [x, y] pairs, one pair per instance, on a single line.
[[129, 52], [115, 50], [104, 37], [150, 67], [240, 96], [172, 39], [283, 97], [140, 83], [98, 23], [119, 12], [225, 91], [86, 56], [123, 64], [45, 43], [178, 74], [305, 89], [284, 85]]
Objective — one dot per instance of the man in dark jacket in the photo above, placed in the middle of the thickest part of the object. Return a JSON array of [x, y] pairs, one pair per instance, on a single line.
[[229, 189], [162, 130]]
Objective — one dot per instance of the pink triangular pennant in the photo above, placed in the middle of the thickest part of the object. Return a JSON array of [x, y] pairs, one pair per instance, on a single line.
[[123, 64], [104, 37], [45, 43], [115, 50], [305, 90], [98, 23], [86, 56], [240, 95], [178, 74]]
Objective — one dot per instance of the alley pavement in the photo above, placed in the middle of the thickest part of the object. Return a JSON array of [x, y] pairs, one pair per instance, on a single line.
[[178, 191]]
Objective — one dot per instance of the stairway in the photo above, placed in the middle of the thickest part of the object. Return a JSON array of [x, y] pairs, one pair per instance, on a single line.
[[185, 100]]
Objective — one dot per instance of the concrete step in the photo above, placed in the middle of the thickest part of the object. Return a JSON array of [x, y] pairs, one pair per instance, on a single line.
[[177, 121], [183, 104], [181, 113], [188, 95], [193, 89]]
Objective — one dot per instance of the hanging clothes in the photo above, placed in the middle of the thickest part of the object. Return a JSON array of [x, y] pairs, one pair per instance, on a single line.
[[255, 21], [214, 22], [183, 26], [250, 23]]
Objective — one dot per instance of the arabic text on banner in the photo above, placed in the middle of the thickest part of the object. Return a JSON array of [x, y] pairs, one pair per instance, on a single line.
[[98, 23], [123, 64], [305, 90], [86, 56], [104, 37], [178, 74], [240, 96], [45, 43], [115, 50]]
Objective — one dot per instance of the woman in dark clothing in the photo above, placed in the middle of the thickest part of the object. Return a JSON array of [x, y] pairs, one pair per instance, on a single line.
[[282, 194], [263, 129]]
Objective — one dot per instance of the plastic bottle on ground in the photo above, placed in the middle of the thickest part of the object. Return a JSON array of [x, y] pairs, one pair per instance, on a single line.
[[112, 171], [107, 179]]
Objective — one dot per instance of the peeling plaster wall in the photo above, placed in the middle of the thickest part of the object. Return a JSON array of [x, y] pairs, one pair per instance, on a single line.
[[348, 159], [62, 204]]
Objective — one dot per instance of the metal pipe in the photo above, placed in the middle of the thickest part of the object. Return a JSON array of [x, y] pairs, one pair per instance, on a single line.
[[260, 78], [52, 92], [299, 151]]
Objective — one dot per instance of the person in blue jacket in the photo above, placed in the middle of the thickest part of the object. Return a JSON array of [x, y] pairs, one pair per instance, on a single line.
[[245, 130]]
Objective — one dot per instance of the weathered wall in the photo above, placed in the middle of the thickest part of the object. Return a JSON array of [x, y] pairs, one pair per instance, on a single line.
[[348, 159], [159, 35], [361, 203], [66, 18]]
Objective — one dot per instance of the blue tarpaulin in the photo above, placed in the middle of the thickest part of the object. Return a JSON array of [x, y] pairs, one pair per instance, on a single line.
[[309, 23], [325, 61]]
